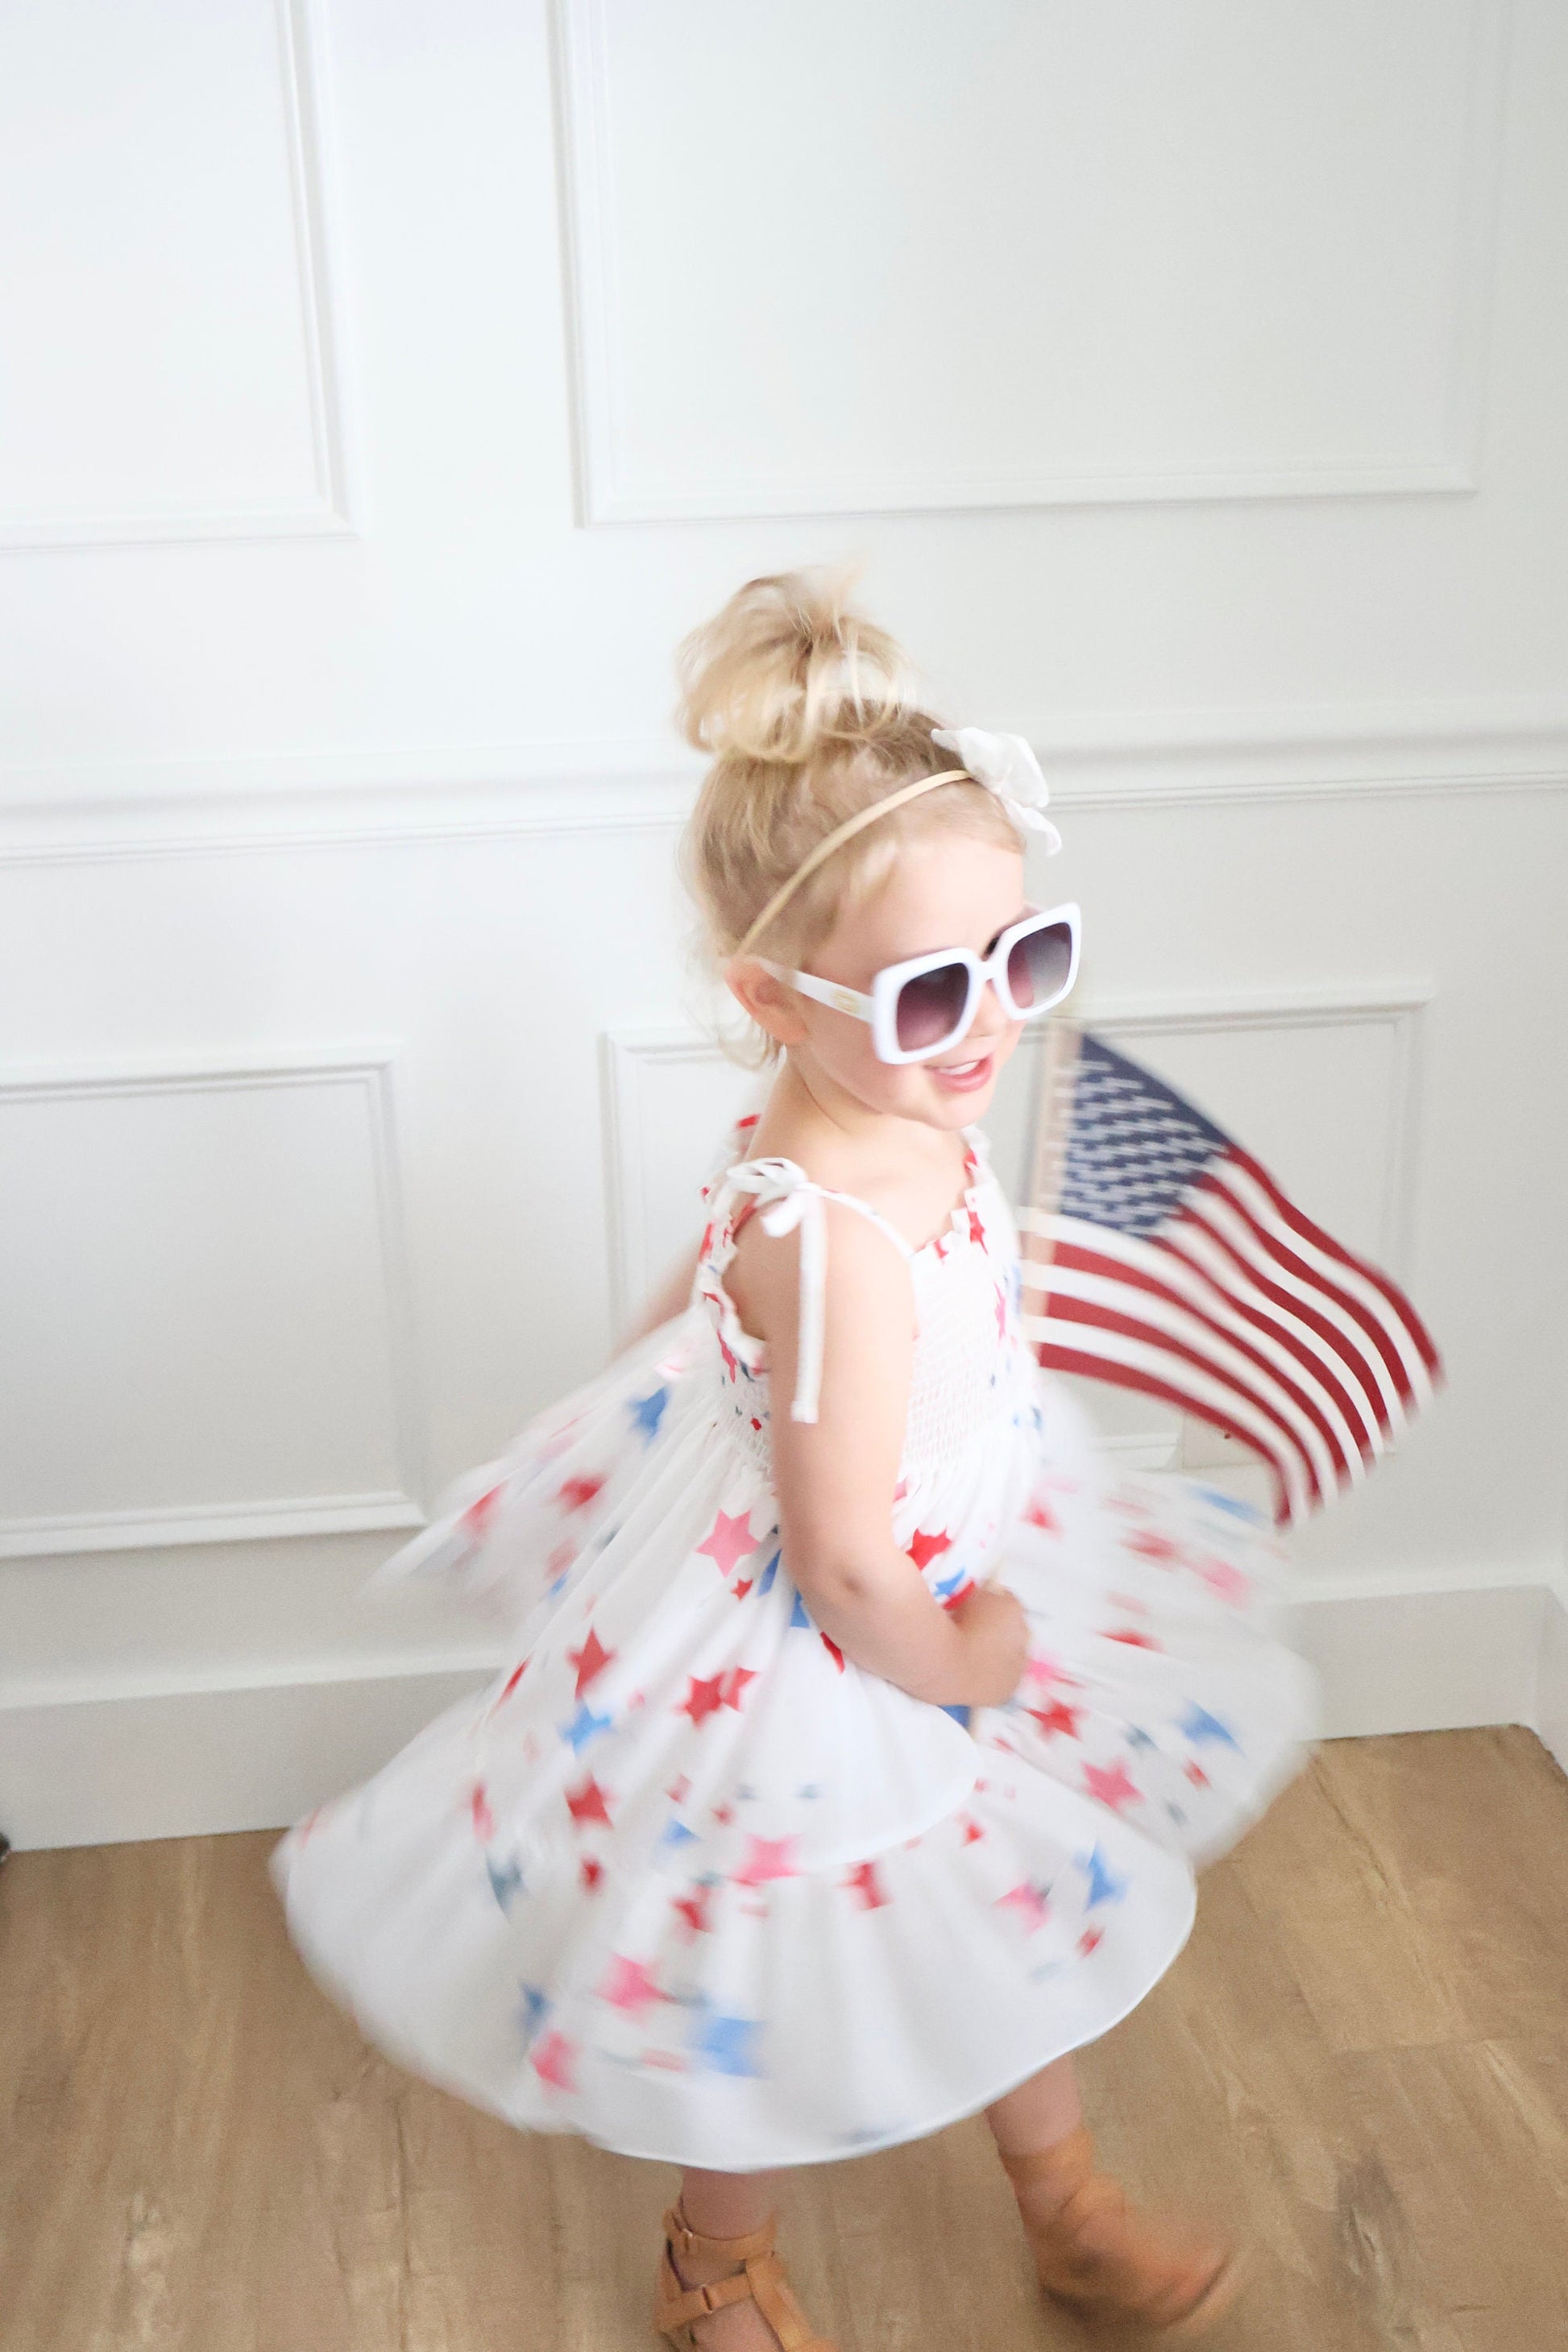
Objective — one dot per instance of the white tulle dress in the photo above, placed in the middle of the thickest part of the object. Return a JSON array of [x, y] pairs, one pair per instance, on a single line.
[[686, 1880]]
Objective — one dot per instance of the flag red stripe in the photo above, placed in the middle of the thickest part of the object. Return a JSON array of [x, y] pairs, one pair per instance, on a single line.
[[1256, 1288], [1277, 1312], [1361, 1314], [1400, 1308], [1058, 1359], [1065, 1309], [1078, 1259]]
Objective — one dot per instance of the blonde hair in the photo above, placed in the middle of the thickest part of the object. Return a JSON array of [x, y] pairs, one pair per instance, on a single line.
[[809, 711]]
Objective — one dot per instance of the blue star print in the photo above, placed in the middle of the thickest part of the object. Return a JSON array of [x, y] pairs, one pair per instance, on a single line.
[[536, 2008], [1138, 1738], [649, 1412], [949, 1584], [584, 1725], [677, 1835], [506, 1885], [1198, 1725], [1222, 1501], [1104, 1885], [765, 1581], [798, 1615], [726, 2042]]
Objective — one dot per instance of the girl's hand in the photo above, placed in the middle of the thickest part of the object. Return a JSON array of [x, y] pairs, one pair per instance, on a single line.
[[996, 1643]]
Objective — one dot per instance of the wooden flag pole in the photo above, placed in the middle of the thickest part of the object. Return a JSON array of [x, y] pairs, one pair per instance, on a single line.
[[1053, 1124]]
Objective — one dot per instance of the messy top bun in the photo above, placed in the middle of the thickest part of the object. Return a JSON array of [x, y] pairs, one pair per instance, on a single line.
[[809, 712]]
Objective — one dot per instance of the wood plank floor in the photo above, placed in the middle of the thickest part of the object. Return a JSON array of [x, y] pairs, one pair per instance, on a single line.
[[1361, 2060]]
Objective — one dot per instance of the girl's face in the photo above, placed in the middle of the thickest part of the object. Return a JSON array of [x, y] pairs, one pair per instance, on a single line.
[[946, 889]]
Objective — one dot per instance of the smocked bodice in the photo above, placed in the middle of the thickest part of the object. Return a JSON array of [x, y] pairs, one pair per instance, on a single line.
[[971, 1367]]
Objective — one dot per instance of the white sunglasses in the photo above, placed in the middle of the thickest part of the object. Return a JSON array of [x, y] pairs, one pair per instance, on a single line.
[[923, 1006]]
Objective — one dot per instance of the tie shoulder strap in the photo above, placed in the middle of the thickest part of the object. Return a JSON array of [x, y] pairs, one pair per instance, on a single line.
[[788, 1199]]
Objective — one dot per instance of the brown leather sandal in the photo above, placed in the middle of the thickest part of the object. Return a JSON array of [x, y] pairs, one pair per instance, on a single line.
[[1103, 2260], [759, 2277]]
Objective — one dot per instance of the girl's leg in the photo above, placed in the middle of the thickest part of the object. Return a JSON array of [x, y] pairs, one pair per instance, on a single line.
[[1040, 2112], [724, 2205]]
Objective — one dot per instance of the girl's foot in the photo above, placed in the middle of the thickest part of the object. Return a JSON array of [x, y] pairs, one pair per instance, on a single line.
[[1107, 2261], [727, 2294]]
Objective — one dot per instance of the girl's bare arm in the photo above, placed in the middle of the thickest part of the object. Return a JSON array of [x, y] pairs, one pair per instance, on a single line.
[[835, 1477]]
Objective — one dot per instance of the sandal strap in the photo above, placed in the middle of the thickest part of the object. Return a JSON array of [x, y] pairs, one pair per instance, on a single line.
[[687, 2240], [760, 2278]]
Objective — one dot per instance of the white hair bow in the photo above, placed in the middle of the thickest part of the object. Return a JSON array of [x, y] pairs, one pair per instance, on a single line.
[[1005, 765]]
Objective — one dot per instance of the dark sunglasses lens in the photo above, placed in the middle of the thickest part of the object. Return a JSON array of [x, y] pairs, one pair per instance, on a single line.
[[929, 1008], [1039, 965]]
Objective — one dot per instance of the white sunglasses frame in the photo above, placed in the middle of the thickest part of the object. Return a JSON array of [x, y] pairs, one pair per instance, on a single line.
[[880, 1009]]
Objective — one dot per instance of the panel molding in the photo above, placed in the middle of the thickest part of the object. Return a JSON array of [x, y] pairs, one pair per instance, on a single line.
[[265, 1516], [628, 1056], [606, 493], [329, 514], [97, 810]]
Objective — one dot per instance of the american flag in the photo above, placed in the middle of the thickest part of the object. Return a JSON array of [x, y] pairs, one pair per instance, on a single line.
[[1162, 1258]]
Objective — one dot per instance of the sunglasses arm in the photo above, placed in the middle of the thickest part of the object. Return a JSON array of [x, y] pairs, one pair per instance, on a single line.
[[824, 991]]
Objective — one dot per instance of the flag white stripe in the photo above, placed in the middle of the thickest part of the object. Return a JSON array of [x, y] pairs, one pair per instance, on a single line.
[[1224, 1218], [1254, 1200], [1174, 1371], [1200, 1271], [1246, 1377]]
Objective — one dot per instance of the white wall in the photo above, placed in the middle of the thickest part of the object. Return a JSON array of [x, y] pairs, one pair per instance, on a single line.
[[386, 391]]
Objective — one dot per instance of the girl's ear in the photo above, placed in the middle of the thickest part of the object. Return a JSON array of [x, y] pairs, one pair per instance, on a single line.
[[772, 1005]]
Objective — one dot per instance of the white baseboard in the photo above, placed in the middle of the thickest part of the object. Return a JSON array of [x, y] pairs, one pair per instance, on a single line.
[[1552, 1693], [103, 1769], [183, 1763]]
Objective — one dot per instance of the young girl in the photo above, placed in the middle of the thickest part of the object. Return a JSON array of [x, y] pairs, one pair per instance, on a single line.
[[859, 1737]]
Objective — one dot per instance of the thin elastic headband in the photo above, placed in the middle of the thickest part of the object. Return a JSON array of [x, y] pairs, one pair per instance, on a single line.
[[840, 834]]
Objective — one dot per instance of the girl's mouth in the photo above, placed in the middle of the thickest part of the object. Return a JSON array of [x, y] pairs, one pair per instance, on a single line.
[[965, 1077]]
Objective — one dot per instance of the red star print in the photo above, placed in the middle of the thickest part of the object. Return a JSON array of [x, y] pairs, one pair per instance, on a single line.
[[478, 1515], [972, 1832], [731, 1366], [925, 1547], [1046, 1669], [680, 1789], [1040, 1515], [693, 1909], [593, 1871], [863, 1881], [735, 1683], [480, 1812], [1001, 1313], [728, 1541], [628, 1986], [833, 1652], [1149, 1544], [512, 1681], [1090, 1940], [724, 1815], [588, 1803], [577, 1493], [1196, 1775], [1111, 1788], [976, 1230], [766, 1859], [901, 1490], [590, 1660], [705, 1698], [554, 2060], [1028, 1903], [741, 1591], [1226, 1583], [1131, 1639], [1057, 1717]]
